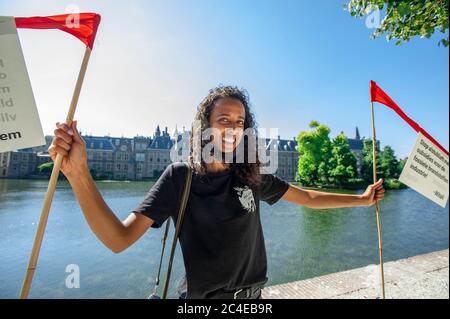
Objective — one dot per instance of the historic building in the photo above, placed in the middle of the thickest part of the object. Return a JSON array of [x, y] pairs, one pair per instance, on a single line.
[[142, 158], [287, 157], [356, 145], [23, 163]]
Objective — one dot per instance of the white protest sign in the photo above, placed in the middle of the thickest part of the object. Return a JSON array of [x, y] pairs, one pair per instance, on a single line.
[[20, 126], [426, 171]]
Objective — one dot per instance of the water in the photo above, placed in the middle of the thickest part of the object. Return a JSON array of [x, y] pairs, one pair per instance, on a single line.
[[301, 243]]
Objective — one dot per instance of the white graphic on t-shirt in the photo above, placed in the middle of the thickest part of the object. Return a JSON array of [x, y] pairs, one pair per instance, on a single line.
[[246, 198]]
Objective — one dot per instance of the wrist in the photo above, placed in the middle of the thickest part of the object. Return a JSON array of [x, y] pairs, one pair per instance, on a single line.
[[362, 200], [80, 171]]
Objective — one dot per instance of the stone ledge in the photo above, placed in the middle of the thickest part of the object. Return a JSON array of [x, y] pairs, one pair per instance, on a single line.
[[423, 276]]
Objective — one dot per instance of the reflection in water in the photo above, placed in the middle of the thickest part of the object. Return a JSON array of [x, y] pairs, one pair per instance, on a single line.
[[301, 243]]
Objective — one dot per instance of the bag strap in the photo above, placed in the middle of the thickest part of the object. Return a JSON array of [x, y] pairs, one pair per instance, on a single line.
[[184, 199], [163, 241]]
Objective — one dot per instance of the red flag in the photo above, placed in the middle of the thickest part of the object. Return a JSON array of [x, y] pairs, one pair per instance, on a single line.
[[378, 95], [81, 25]]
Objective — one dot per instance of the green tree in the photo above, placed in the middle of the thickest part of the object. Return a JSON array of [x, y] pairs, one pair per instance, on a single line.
[[367, 162], [389, 163], [314, 149], [401, 164], [405, 19], [342, 161], [46, 168]]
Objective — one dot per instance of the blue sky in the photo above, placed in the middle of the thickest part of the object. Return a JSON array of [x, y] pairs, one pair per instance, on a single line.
[[154, 61]]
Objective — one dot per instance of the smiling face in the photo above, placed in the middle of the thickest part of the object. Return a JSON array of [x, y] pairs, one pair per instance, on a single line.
[[225, 109], [228, 117]]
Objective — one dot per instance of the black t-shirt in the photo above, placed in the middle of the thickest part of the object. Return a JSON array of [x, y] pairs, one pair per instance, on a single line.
[[221, 237]]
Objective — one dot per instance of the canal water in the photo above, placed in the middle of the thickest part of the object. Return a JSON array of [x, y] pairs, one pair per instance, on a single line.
[[301, 242]]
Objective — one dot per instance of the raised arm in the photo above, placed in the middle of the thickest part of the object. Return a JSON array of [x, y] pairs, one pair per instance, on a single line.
[[317, 199], [113, 233]]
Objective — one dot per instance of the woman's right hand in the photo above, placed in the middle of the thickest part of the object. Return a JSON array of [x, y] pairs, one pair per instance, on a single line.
[[71, 146]]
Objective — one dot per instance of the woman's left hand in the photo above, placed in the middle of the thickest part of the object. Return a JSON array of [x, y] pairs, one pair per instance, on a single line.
[[373, 193]]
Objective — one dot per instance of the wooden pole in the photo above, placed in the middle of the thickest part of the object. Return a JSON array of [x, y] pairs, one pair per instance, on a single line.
[[380, 240], [52, 185]]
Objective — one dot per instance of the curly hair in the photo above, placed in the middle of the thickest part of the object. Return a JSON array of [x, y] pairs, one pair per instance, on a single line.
[[246, 172]]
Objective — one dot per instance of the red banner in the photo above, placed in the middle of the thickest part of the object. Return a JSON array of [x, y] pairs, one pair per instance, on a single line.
[[378, 95], [81, 25]]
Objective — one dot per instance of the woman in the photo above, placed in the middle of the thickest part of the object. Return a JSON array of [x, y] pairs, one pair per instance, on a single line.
[[221, 239]]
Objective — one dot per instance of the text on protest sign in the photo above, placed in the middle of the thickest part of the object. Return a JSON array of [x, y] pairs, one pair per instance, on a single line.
[[20, 126], [426, 171]]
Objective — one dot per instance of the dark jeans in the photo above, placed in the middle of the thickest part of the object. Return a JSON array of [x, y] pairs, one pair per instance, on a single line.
[[256, 295]]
